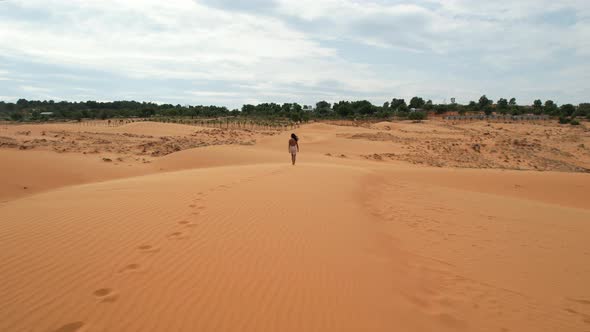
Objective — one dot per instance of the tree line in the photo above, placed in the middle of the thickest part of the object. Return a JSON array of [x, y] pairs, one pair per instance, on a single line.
[[416, 108]]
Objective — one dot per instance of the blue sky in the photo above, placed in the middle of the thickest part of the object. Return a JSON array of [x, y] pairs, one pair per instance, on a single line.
[[229, 53]]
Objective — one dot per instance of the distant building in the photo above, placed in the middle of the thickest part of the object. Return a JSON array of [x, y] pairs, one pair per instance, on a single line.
[[46, 113], [453, 101]]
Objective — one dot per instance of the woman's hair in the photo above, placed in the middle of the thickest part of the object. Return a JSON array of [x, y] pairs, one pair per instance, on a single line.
[[293, 136]]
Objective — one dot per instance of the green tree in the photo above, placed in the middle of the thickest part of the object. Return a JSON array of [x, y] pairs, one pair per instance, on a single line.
[[305, 117], [502, 105], [583, 110], [77, 115], [323, 108], [441, 109], [248, 109], [322, 104], [363, 107], [397, 103], [21, 104], [149, 112], [16, 116], [537, 106], [416, 102], [35, 115], [567, 109], [384, 113], [403, 108], [484, 102], [461, 109], [514, 110], [417, 116], [551, 107], [343, 109]]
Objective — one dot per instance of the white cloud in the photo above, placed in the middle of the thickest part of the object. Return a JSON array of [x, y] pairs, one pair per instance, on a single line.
[[4, 75], [278, 50], [447, 26], [145, 37], [30, 88]]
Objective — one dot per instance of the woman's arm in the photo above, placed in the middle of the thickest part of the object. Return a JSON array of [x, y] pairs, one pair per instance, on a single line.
[[297, 146]]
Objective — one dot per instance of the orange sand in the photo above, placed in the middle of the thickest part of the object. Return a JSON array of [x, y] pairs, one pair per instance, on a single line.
[[227, 237]]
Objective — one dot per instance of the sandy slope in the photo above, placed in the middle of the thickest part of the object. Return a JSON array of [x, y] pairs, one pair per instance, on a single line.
[[23, 173], [232, 238]]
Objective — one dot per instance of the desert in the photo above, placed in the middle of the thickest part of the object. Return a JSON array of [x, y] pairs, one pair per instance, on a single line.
[[414, 226]]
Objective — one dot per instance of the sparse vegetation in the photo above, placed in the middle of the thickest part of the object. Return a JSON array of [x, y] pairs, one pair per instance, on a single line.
[[34, 110], [417, 116]]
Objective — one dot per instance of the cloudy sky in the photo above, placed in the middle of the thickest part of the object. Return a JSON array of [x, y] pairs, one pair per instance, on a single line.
[[229, 53]]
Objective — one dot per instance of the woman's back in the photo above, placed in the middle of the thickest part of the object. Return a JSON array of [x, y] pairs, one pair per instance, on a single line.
[[293, 147]]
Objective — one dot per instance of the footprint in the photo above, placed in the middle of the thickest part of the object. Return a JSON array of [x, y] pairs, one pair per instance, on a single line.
[[449, 320], [147, 248], [130, 268], [192, 206], [187, 224], [110, 298], [102, 292], [580, 301], [105, 295], [177, 236], [71, 327]]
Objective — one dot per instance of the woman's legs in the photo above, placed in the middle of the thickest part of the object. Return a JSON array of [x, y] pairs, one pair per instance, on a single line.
[[293, 156]]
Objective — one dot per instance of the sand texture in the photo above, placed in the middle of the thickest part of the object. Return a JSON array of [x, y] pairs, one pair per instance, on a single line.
[[429, 226]]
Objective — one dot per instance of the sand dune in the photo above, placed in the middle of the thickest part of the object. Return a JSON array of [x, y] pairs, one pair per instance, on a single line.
[[23, 173], [234, 238]]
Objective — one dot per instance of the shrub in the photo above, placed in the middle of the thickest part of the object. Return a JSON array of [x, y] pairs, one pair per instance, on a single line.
[[16, 116], [575, 122], [401, 114], [564, 120], [417, 116]]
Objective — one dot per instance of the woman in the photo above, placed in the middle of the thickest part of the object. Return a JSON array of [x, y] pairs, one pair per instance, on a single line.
[[293, 147]]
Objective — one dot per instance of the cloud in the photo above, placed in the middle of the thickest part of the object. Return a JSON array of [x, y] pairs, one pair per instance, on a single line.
[[30, 88], [146, 35], [251, 5], [287, 50], [3, 75]]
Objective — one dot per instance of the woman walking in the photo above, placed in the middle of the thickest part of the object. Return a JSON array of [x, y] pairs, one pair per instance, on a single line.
[[293, 147]]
